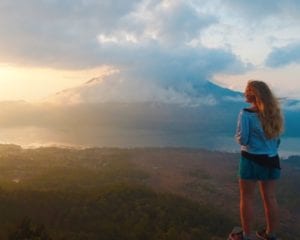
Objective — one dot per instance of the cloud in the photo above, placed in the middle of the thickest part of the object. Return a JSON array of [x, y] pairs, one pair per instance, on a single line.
[[171, 22], [116, 89], [177, 77], [54, 33], [167, 43], [281, 57], [149, 42], [83, 34], [158, 48], [252, 28], [167, 66], [256, 10]]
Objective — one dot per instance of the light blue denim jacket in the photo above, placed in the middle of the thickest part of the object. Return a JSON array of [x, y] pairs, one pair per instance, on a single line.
[[251, 137]]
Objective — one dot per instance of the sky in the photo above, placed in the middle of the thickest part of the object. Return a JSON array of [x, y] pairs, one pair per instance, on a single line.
[[47, 46]]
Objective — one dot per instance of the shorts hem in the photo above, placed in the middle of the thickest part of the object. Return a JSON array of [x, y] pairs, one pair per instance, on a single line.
[[250, 170]]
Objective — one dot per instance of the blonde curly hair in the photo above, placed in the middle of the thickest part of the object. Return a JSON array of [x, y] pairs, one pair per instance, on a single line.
[[268, 106]]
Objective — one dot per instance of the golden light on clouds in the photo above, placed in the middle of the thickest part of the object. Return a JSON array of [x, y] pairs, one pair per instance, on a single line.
[[33, 84], [277, 78]]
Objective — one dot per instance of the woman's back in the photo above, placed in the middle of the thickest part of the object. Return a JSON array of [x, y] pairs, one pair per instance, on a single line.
[[251, 136]]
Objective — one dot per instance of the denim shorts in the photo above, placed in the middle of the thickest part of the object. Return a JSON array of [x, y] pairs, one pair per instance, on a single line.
[[249, 170]]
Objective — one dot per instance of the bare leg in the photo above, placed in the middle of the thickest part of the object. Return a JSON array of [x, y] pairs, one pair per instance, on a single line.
[[247, 188], [267, 190]]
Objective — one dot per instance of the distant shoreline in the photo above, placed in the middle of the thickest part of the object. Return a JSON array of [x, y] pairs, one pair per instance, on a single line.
[[284, 154]]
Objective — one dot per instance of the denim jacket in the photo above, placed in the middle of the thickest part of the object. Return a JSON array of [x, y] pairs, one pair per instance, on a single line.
[[251, 137]]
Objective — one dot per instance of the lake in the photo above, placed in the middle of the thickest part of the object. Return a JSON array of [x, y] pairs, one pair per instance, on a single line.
[[31, 137]]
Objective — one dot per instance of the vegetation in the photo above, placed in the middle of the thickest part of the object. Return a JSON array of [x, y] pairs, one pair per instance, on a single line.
[[26, 230], [106, 193], [116, 212]]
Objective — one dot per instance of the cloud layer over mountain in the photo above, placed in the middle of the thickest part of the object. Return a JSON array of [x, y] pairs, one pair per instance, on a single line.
[[162, 44]]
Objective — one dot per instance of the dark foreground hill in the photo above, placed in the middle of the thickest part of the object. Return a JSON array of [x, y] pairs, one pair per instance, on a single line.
[[118, 212], [151, 193]]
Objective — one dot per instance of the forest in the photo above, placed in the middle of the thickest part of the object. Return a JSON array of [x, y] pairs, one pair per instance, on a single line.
[[139, 193]]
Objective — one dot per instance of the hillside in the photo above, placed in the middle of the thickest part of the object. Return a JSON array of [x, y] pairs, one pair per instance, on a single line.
[[148, 193]]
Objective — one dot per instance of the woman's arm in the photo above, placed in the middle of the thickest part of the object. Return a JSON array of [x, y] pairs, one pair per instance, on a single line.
[[242, 130]]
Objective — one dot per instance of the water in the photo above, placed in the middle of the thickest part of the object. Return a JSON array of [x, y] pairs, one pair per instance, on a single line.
[[289, 146], [29, 137]]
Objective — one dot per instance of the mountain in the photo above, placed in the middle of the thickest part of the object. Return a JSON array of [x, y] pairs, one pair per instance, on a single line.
[[112, 90], [122, 113], [136, 113]]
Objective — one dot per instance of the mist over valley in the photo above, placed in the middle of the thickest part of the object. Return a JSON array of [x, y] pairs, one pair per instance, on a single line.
[[203, 116]]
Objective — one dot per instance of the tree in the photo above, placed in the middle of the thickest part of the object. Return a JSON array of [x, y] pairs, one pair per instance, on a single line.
[[28, 231]]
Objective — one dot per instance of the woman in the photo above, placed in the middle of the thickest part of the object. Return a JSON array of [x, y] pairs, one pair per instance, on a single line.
[[258, 131]]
